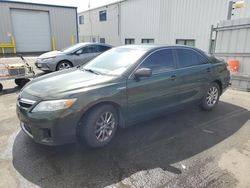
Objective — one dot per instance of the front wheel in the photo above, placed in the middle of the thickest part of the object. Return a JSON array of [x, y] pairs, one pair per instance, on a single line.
[[99, 126], [211, 97], [63, 65]]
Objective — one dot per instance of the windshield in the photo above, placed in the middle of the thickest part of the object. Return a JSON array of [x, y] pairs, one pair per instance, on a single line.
[[115, 61], [72, 48]]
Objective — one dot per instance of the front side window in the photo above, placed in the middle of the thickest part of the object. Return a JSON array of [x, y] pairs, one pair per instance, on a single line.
[[129, 41], [89, 49], [159, 61], [102, 15], [81, 20], [188, 57], [147, 41]]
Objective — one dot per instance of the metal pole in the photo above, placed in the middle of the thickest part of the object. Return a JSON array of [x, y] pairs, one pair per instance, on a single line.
[[230, 9]]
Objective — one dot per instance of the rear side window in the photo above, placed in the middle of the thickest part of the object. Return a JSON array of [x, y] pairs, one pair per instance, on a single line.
[[103, 48], [159, 61], [187, 58]]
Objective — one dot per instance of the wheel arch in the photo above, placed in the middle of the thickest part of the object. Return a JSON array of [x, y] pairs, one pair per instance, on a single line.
[[220, 85], [62, 61], [117, 107]]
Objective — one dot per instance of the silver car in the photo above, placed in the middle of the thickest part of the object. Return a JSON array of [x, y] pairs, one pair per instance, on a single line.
[[77, 54]]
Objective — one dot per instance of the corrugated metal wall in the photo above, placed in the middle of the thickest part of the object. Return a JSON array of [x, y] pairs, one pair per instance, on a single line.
[[93, 28], [233, 42], [140, 19], [165, 20], [63, 22]]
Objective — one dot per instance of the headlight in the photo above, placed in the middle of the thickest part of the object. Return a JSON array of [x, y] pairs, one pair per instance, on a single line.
[[48, 59], [53, 105]]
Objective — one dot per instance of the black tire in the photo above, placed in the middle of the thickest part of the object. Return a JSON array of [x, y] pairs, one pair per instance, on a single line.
[[65, 64], [1, 87], [18, 81], [209, 101], [90, 126], [22, 81]]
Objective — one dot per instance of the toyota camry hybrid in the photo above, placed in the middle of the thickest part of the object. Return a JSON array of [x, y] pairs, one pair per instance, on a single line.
[[120, 87]]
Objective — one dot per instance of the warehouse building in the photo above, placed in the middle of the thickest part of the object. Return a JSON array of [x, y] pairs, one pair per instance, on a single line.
[[156, 21], [29, 27]]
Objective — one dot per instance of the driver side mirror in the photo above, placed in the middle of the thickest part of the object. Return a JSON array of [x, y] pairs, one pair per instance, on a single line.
[[142, 72]]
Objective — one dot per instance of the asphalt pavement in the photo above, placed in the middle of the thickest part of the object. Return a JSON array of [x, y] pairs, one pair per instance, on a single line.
[[188, 148]]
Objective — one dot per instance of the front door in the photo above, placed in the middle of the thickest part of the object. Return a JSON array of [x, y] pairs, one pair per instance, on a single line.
[[151, 95], [85, 54]]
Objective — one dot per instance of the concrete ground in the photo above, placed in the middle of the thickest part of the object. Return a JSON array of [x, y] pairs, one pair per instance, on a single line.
[[189, 148]]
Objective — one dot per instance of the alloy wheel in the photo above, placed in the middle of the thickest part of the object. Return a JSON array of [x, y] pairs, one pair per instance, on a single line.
[[105, 126], [64, 65], [212, 96]]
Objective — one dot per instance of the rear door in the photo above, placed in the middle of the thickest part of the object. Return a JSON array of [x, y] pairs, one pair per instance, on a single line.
[[194, 71], [154, 94]]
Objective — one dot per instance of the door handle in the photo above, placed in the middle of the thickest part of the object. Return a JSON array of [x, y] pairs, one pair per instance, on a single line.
[[208, 69], [173, 77]]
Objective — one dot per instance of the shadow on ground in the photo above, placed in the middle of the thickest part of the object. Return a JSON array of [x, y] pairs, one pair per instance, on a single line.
[[156, 143], [15, 89]]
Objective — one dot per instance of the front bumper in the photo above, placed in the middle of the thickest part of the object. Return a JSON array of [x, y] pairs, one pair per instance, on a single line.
[[54, 128], [44, 66]]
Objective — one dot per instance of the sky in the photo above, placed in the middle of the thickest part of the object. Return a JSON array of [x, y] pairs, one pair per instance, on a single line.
[[81, 4]]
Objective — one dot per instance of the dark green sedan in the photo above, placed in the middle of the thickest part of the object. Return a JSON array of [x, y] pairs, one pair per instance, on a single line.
[[121, 87]]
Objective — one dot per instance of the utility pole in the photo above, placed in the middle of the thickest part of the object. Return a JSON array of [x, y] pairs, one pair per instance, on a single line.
[[234, 5], [230, 10]]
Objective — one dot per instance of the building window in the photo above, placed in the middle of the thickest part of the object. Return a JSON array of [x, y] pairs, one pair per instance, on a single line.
[[103, 15], [102, 40], [81, 19], [187, 42], [148, 41], [93, 39], [129, 41]]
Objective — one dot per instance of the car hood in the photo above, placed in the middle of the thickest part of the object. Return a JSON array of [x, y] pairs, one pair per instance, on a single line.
[[50, 54], [64, 82]]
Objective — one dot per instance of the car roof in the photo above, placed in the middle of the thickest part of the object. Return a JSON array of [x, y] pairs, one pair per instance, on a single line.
[[150, 47], [93, 43]]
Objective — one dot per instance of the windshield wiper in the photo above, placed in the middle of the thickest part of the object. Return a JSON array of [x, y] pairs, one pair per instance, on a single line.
[[92, 71]]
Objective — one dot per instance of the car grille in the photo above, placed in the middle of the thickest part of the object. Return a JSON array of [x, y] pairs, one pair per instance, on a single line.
[[26, 103]]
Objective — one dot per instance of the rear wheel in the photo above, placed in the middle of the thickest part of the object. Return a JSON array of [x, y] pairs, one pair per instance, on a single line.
[[99, 126], [63, 65], [1, 87], [211, 97]]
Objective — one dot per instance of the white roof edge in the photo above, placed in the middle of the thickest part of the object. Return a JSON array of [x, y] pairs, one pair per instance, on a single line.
[[118, 1]]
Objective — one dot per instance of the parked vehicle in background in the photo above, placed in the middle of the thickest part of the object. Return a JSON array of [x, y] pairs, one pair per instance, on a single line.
[[77, 54], [122, 86]]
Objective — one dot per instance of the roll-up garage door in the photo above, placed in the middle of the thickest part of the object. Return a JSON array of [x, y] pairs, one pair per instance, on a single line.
[[31, 30]]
